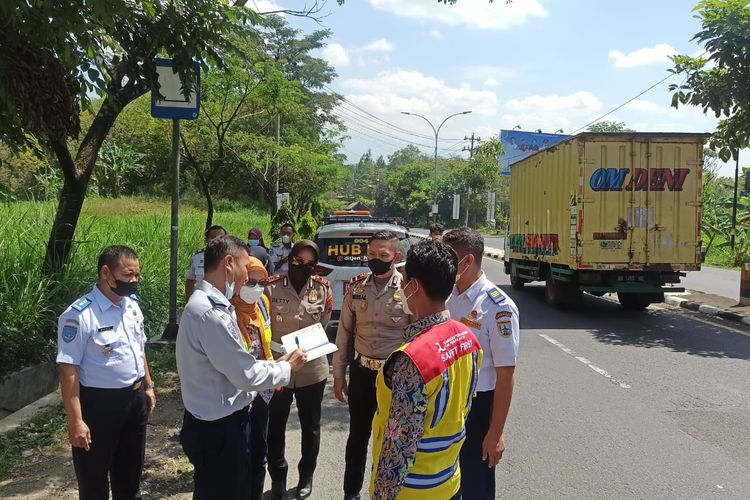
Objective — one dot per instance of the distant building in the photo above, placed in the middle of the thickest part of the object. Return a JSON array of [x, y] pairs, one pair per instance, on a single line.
[[357, 206]]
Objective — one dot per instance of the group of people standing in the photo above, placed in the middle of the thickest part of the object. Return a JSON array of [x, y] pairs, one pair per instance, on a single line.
[[429, 351]]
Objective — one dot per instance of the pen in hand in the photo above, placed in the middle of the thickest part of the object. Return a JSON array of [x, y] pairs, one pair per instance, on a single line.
[[296, 341]]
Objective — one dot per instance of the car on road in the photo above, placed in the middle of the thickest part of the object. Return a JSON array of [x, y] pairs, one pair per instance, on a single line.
[[343, 241]]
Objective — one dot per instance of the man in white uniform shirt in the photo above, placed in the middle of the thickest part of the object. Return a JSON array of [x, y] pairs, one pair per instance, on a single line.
[[493, 317], [219, 377], [194, 273]]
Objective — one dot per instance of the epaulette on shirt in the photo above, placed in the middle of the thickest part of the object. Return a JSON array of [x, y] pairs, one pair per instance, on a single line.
[[81, 304], [273, 279], [216, 303], [199, 251], [322, 281], [358, 277], [495, 295], [135, 297]]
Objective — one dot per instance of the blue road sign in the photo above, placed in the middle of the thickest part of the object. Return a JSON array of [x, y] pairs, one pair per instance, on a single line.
[[174, 105]]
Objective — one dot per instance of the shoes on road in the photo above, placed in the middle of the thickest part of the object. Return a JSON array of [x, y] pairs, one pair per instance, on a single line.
[[304, 487], [351, 496], [278, 490]]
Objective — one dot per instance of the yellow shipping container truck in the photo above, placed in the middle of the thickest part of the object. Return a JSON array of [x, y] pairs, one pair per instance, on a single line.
[[607, 212]]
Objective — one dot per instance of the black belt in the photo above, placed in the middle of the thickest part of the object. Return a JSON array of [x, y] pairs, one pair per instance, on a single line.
[[132, 387]]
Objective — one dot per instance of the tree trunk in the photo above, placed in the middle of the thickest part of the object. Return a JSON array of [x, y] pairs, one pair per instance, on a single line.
[[77, 174]]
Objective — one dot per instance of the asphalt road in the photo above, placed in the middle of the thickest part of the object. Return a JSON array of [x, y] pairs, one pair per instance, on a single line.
[[724, 282], [609, 404]]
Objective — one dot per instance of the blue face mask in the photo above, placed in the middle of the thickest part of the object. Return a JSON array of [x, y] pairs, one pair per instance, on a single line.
[[253, 243]]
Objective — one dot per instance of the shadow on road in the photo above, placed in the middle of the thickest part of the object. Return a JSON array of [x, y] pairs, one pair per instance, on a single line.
[[611, 324]]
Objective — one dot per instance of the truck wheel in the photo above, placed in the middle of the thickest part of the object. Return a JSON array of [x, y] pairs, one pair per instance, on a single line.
[[516, 282], [635, 301], [553, 292]]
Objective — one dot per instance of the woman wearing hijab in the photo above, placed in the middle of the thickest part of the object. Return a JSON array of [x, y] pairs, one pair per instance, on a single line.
[[298, 300], [254, 319], [258, 249]]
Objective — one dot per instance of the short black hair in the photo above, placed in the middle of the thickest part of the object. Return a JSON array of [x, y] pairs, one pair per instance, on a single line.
[[385, 235], [434, 265], [220, 247], [287, 224], [466, 240], [437, 228], [112, 255], [215, 227]]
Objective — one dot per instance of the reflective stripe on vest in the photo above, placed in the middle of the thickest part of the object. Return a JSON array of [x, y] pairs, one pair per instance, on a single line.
[[427, 481]]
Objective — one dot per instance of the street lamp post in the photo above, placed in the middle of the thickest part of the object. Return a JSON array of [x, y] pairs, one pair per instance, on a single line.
[[436, 132]]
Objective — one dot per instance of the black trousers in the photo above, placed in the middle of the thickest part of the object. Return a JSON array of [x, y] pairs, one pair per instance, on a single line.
[[117, 421], [309, 400], [477, 480], [220, 453], [363, 403], [258, 447]]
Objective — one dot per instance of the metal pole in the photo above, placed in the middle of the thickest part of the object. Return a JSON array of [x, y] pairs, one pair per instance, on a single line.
[[435, 189], [734, 204], [170, 332]]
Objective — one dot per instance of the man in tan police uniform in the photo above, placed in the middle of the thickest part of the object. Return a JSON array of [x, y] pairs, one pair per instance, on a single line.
[[298, 300], [372, 326]]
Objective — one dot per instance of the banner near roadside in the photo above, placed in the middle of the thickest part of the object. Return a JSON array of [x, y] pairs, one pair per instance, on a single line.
[[518, 144]]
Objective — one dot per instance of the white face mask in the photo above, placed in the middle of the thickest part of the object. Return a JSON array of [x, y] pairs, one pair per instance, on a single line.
[[229, 287], [251, 294], [405, 300], [458, 266], [286, 239]]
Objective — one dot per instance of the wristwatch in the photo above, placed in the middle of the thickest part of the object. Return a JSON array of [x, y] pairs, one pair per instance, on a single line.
[[150, 386]]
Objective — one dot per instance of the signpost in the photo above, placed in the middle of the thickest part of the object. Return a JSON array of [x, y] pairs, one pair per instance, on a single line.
[[169, 102], [456, 206]]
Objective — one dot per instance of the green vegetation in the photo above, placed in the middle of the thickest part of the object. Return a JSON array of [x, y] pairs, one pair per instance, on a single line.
[[30, 302], [42, 430]]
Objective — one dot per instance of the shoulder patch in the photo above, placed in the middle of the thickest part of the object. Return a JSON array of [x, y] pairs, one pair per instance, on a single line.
[[273, 279], [216, 303], [495, 296], [69, 332], [81, 304], [322, 281], [358, 277]]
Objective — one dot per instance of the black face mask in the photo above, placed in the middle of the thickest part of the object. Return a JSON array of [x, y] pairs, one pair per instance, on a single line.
[[379, 267], [298, 275], [124, 289]]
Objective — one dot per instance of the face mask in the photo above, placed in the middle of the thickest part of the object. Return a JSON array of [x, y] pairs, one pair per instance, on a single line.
[[299, 274], [286, 239], [229, 287], [379, 267], [251, 294], [458, 274], [124, 289], [405, 300], [253, 243]]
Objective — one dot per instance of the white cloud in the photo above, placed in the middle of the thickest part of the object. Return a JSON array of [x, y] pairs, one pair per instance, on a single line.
[[379, 45], [475, 14], [266, 6], [336, 55], [436, 34], [551, 112], [490, 82], [650, 55]]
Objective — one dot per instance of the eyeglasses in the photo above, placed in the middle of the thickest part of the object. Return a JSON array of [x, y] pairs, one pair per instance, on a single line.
[[256, 282], [299, 261]]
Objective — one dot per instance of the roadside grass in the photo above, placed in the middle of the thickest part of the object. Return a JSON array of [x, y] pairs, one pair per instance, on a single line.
[[719, 256], [41, 431], [30, 305]]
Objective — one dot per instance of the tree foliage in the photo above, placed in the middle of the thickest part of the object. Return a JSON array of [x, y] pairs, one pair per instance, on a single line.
[[609, 126], [719, 80]]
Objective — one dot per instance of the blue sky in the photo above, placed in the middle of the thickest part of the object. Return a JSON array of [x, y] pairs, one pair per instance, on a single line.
[[541, 64]]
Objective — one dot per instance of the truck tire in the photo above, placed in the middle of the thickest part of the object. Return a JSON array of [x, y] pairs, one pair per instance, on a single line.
[[553, 292], [516, 282], [638, 301], [561, 293]]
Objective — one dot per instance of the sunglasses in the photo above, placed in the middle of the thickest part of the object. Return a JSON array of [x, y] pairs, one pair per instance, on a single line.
[[299, 261], [256, 282]]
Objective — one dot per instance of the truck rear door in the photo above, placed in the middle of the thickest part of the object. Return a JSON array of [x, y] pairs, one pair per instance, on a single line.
[[640, 202]]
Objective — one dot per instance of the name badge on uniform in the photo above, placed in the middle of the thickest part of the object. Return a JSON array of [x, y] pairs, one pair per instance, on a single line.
[[106, 328], [313, 295], [471, 323]]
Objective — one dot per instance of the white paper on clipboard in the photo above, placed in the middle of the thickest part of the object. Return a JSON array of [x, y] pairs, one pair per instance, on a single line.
[[312, 339]]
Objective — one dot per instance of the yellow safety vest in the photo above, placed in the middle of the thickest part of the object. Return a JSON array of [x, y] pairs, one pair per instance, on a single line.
[[448, 357], [265, 331]]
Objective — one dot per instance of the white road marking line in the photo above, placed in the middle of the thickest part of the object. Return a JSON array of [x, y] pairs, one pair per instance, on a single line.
[[585, 361]]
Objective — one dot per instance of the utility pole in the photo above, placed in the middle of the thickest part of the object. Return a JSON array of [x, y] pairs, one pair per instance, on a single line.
[[278, 146], [470, 149], [734, 203]]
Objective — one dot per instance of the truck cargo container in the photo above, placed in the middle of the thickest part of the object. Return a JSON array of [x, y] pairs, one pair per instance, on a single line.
[[607, 212]]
